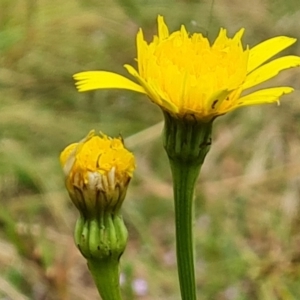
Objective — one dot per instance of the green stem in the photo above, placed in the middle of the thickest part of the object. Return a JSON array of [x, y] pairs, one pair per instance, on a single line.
[[186, 141], [106, 277], [184, 177]]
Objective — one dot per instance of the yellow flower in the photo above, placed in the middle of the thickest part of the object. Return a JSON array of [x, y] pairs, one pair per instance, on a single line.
[[98, 170], [186, 75]]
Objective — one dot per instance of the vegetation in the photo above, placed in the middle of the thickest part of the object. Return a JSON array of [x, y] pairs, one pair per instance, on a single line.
[[247, 201]]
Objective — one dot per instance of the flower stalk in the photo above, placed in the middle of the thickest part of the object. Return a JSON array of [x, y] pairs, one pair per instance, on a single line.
[[184, 178], [186, 142]]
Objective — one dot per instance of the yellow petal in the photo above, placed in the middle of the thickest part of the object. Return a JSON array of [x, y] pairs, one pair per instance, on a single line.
[[267, 49], [270, 70], [93, 80], [215, 101], [264, 96], [148, 89], [221, 39], [163, 31], [151, 92], [238, 36]]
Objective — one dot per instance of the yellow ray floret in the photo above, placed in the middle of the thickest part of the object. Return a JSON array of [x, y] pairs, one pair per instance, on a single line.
[[94, 157], [187, 75], [93, 80]]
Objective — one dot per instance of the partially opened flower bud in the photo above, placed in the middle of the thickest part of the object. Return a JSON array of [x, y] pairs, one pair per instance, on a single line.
[[98, 170]]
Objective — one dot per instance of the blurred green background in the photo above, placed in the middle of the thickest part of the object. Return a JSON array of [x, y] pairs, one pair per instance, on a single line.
[[247, 226]]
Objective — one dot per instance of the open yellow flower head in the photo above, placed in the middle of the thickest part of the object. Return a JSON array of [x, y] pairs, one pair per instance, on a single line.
[[98, 170], [186, 75]]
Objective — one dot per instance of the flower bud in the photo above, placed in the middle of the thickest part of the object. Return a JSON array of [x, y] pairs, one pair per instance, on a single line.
[[98, 170]]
